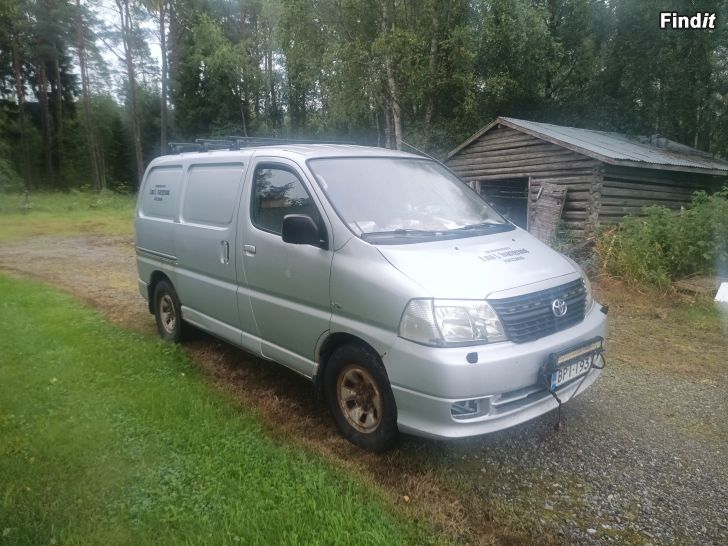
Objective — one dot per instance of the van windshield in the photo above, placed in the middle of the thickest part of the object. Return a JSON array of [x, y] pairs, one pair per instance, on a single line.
[[389, 200]]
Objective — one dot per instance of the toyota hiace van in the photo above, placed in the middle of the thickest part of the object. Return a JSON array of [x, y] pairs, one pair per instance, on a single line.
[[408, 301]]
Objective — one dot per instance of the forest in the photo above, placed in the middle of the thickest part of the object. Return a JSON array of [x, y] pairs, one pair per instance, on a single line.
[[92, 90]]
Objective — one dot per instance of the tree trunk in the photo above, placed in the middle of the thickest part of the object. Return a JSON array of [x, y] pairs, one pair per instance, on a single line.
[[268, 97], [58, 114], [163, 111], [126, 35], [45, 123], [432, 71], [22, 121], [86, 92], [242, 117], [393, 95], [387, 128]]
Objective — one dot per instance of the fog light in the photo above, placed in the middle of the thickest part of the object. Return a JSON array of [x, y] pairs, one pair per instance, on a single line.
[[468, 409]]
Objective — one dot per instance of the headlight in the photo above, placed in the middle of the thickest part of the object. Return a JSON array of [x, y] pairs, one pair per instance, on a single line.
[[589, 298], [450, 323], [587, 285]]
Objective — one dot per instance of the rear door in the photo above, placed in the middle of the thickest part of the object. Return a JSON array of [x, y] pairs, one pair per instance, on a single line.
[[288, 284]]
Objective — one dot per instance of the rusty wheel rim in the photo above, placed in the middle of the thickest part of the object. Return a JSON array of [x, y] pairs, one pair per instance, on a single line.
[[167, 313], [359, 398]]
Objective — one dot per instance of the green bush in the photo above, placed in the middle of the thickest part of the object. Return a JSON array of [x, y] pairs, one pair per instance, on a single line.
[[663, 245], [9, 179]]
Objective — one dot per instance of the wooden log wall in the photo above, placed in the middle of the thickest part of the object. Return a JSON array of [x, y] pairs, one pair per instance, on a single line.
[[626, 190], [506, 153]]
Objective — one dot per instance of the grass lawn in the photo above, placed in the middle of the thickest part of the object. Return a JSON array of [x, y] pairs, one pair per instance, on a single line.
[[108, 437], [55, 213]]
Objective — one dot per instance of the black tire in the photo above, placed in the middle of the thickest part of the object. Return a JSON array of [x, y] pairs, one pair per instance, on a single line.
[[168, 312], [368, 416]]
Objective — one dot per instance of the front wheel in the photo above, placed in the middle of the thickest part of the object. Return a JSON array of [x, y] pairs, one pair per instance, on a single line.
[[360, 398], [168, 312]]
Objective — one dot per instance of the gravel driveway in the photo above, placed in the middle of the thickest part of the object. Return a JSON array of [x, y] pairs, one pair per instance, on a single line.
[[643, 459]]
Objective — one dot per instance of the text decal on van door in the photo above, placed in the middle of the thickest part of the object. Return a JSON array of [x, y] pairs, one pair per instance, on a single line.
[[504, 254], [159, 192]]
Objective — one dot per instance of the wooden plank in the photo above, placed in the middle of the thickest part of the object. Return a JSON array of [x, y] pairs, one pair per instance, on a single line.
[[574, 215], [524, 154], [512, 141], [527, 170], [648, 187], [674, 184], [637, 202], [470, 153], [566, 182], [571, 180], [533, 147], [658, 177], [656, 195], [564, 173], [502, 133], [578, 195], [498, 145], [619, 211], [546, 212], [575, 205], [524, 160]]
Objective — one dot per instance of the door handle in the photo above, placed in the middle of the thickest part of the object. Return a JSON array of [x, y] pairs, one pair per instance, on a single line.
[[224, 252], [249, 249]]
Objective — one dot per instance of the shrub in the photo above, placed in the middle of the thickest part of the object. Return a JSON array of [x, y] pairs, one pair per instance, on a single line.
[[9, 179], [663, 245]]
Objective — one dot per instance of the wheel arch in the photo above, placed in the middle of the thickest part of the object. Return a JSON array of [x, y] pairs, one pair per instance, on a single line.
[[156, 277], [327, 347]]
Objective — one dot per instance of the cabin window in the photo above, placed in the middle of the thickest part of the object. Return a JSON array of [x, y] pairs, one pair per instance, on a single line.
[[509, 196]]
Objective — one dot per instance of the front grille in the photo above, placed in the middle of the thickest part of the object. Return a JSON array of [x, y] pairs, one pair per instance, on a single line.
[[530, 316]]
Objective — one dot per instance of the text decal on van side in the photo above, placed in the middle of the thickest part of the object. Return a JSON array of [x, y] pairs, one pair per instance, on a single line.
[[159, 192], [505, 254]]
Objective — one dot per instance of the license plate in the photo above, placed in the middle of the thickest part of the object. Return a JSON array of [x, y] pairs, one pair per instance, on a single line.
[[574, 362], [567, 373]]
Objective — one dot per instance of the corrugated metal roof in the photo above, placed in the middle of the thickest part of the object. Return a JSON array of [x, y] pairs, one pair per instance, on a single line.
[[615, 148]]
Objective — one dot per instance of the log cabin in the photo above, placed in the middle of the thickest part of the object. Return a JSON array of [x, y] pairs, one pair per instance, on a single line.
[[607, 176]]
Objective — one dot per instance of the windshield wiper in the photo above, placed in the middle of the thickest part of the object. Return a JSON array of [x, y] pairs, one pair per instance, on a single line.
[[484, 226], [481, 225], [399, 232]]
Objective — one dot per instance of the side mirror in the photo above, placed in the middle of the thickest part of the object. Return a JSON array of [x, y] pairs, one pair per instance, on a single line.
[[299, 229]]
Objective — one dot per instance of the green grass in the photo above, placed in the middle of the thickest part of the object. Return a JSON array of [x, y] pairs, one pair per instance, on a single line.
[[108, 437], [73, 213]]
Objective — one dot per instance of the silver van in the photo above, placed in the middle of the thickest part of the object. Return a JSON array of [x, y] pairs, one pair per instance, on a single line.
[[409, 302]]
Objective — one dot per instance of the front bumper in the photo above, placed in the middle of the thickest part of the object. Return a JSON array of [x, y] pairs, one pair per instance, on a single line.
[[504, 381]]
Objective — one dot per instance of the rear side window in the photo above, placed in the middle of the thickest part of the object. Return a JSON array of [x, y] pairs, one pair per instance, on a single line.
[[277, 192], [211, 194], [160, 192]]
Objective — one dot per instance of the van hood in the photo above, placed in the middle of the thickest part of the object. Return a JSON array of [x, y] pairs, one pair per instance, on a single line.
[[475, 267]]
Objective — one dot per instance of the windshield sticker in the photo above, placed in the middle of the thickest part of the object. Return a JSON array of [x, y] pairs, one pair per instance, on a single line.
[[505, 254]]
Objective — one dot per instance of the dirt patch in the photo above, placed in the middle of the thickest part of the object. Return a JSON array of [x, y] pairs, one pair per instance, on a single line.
[[643, 458]]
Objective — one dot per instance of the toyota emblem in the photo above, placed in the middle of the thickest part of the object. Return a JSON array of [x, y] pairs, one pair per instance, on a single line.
[[559, 308]]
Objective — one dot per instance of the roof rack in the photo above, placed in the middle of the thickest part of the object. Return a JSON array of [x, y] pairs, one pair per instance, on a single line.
[[238, 142]]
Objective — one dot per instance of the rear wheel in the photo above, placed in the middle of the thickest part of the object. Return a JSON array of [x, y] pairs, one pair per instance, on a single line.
[[167, 312], [360, 398]]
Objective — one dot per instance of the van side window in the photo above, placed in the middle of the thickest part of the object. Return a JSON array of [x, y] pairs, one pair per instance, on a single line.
[[211, 193], [277, 192], [159, 195]]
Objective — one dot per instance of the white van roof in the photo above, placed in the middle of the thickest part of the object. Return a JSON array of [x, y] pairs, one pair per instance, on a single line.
[[292, 151]]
